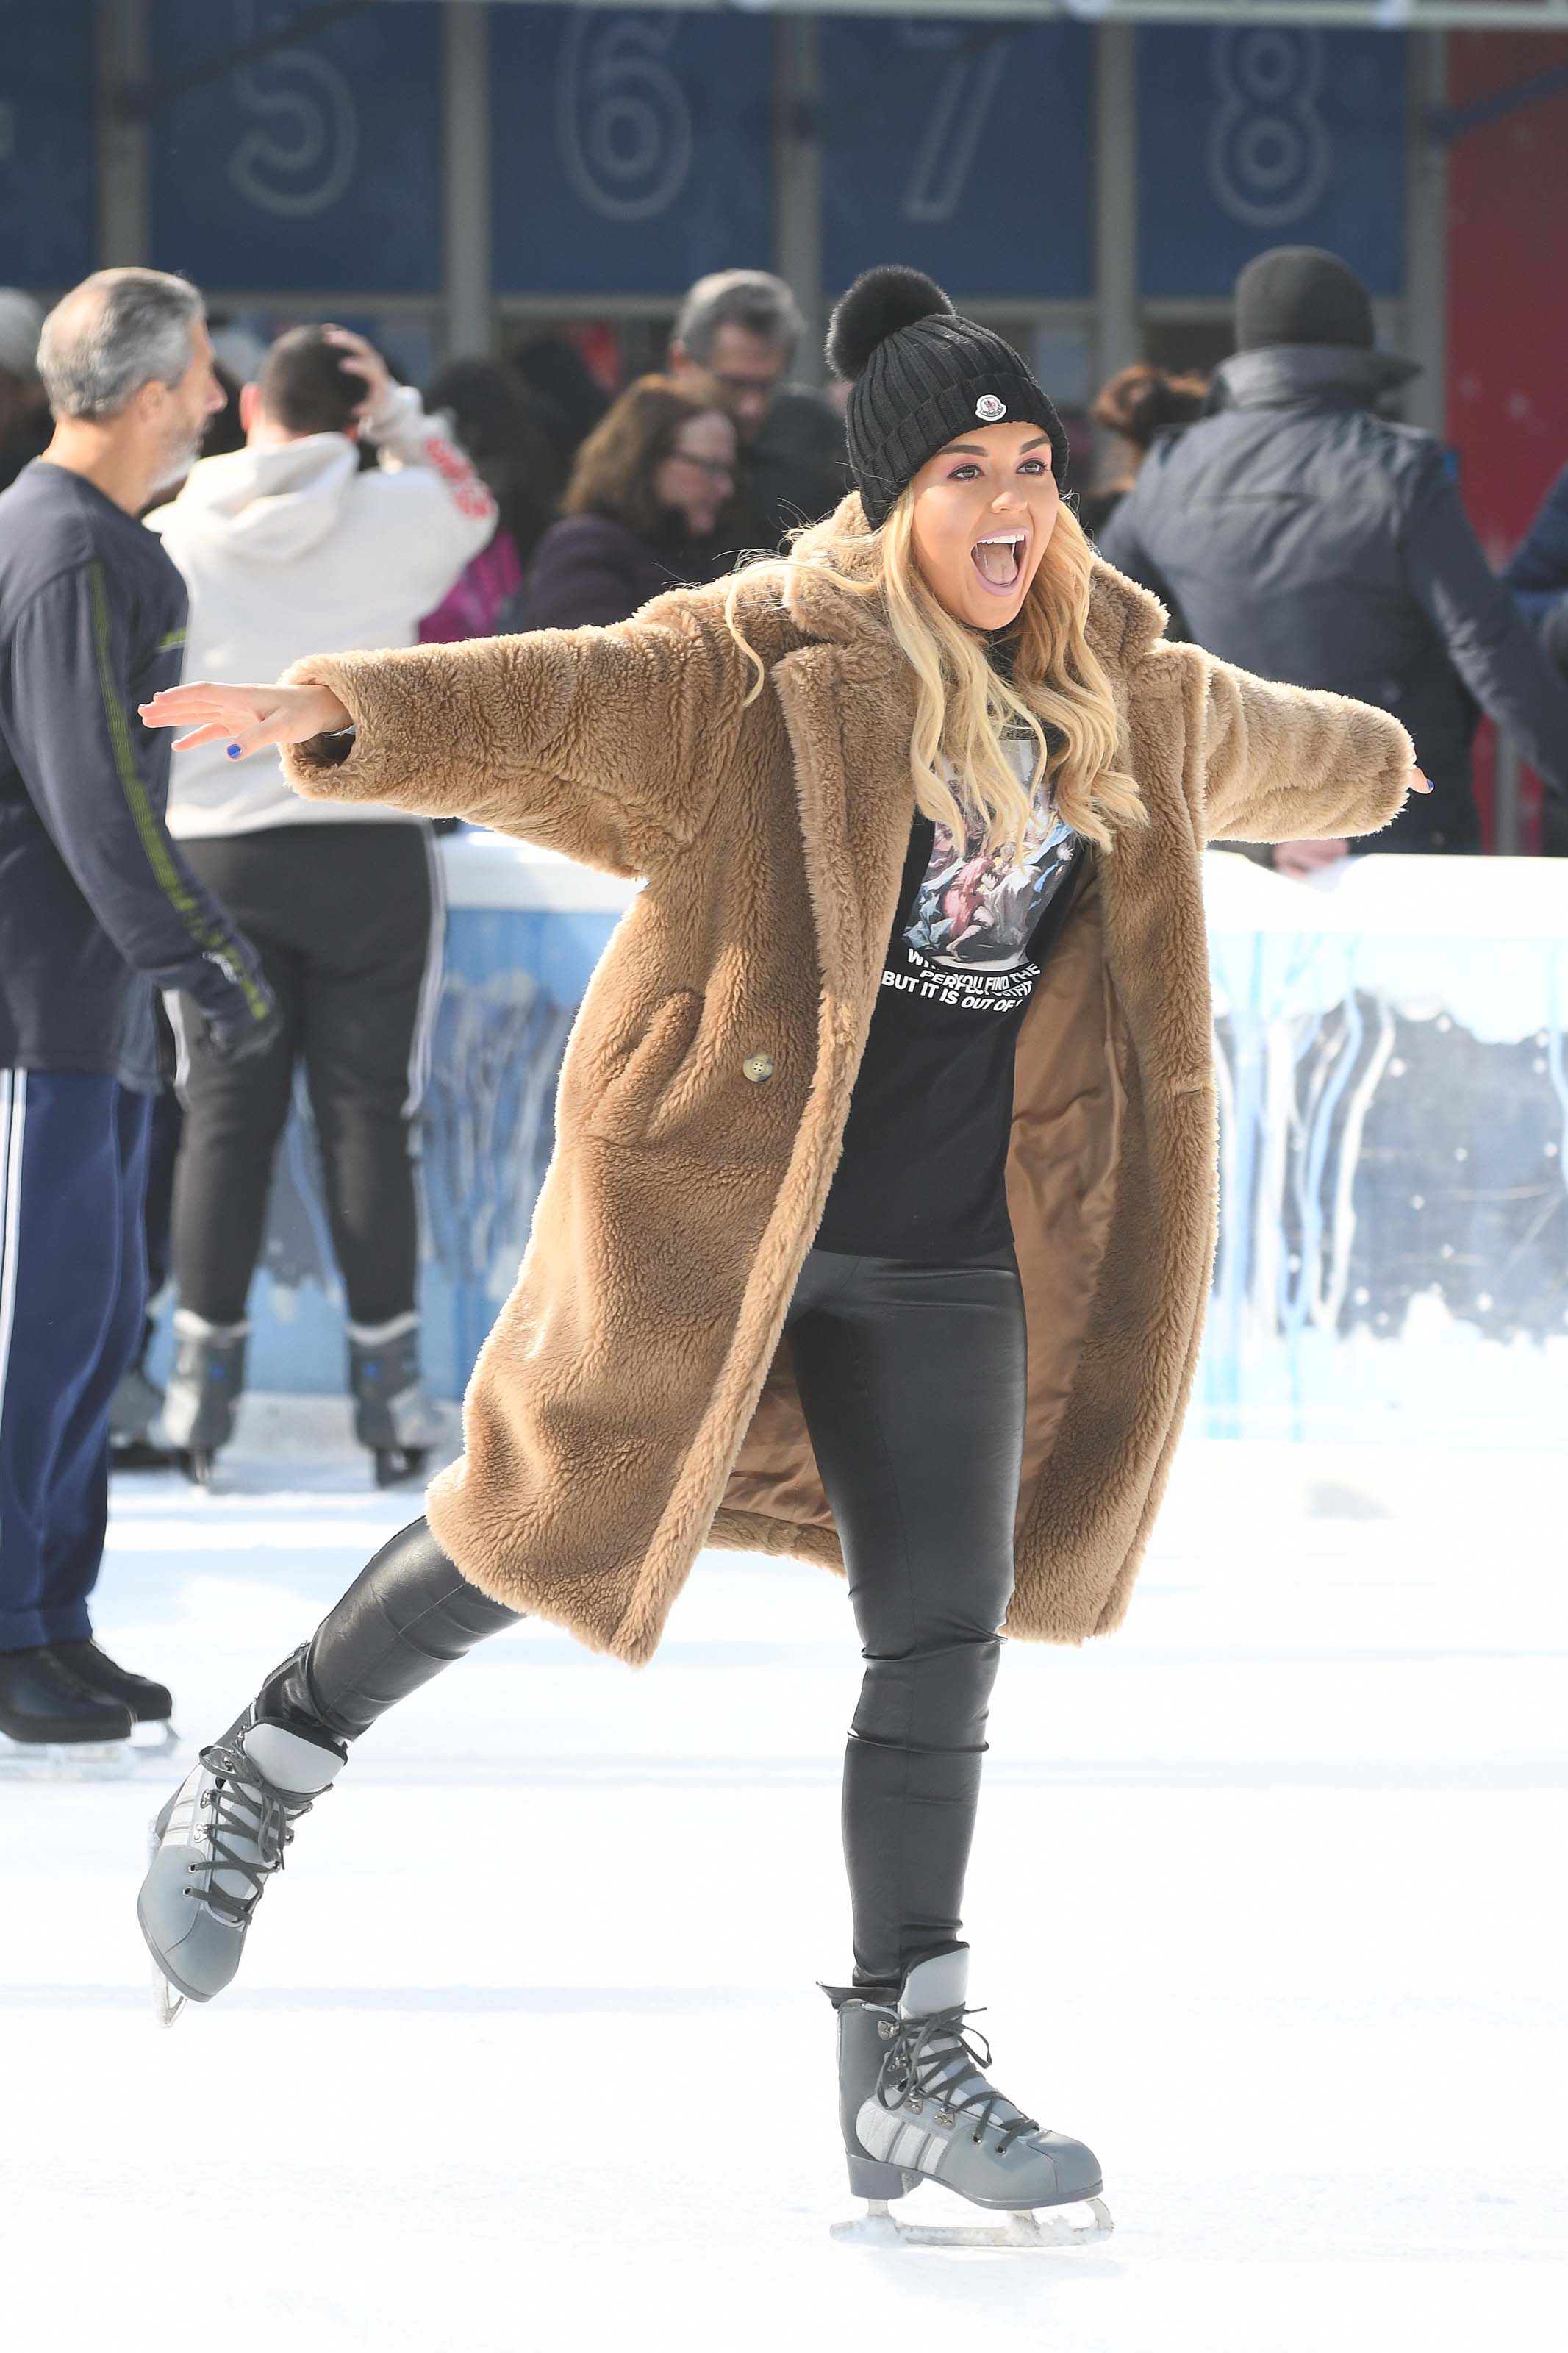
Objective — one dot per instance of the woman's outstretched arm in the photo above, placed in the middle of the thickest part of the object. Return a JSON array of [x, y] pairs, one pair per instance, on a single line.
[[1289, 763], [607, 745]]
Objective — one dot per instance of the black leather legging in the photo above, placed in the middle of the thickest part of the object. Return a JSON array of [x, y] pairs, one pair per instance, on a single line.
[[912, 1380]]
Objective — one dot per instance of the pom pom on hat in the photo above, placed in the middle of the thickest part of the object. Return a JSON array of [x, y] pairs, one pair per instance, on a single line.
[[880, 302]]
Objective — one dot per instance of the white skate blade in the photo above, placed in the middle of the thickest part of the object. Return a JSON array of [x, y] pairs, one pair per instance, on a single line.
[[167, 2004], [152, 1742], [879, 2227], [65, 1760], [149, 1747]]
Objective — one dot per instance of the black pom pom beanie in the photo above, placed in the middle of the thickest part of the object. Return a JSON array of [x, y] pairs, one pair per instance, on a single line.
[[918, 374]]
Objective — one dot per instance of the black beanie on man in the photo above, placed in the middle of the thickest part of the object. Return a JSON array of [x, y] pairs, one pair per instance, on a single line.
[[918, 374], [1300, 294]]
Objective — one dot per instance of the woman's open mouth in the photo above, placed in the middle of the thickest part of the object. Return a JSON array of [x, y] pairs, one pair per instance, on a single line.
[[999, 558]]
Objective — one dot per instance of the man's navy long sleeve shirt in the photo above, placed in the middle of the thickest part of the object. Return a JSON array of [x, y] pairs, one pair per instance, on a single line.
[[98, 909]]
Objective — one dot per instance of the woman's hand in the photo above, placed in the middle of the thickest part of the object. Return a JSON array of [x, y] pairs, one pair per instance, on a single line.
[[246, 718]]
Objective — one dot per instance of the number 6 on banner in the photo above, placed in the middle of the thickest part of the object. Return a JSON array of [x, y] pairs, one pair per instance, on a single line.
[[624, 126]]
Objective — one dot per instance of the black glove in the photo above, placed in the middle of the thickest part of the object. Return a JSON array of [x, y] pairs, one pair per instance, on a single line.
[[247, 1028]]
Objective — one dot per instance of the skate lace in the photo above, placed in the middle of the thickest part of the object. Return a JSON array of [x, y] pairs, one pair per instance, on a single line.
[[928, 2057], [244, 1805]]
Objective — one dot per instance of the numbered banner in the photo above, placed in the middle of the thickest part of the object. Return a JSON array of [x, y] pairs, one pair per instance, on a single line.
[[46, 195], [313, 168], [1257, 135], [963, 148], [632, 149]]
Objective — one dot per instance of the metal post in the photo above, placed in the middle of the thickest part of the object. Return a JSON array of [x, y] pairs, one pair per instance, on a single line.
[[466, 178], [1118, 339], [1426, 235], [124, 229], [1507, 816], [797, 179]]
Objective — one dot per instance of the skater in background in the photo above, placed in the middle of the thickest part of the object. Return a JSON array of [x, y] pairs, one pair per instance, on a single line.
[[285, 545], [639, 513], [1299, 534], [848, 1250], [98, 911]]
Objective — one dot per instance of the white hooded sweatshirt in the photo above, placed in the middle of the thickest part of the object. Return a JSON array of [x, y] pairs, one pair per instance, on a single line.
[[289, 550]]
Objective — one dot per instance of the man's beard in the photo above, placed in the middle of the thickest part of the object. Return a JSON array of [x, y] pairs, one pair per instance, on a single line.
[[177, 460]]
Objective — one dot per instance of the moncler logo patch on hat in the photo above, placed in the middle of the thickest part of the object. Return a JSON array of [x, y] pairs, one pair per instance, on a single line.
[[989, 408]]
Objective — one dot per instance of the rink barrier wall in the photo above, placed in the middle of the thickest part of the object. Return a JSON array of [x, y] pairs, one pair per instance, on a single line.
[[1393, 1102]]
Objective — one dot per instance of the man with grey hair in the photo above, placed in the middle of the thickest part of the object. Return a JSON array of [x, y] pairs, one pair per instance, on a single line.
[[98, 911], [741, 329]]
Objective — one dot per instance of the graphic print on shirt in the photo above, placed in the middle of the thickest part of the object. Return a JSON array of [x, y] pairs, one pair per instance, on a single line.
[[976, 912]]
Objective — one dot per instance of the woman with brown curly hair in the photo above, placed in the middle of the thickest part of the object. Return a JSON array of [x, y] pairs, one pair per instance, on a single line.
[[640, 509], [1138, 402], [881, 1221]]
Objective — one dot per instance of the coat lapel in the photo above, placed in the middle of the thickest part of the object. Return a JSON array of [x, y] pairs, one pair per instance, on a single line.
[[849, 713]]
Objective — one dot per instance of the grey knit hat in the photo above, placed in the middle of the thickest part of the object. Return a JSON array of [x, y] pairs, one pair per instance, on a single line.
[[918, 374]]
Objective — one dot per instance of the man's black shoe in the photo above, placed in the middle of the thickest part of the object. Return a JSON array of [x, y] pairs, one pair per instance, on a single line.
[[41, 1703], [148, 1701]]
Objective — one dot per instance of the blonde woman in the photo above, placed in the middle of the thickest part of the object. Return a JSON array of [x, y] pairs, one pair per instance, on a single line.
[[881, 1219]]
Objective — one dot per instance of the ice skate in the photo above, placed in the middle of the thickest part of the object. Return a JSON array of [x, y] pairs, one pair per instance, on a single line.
[[915, 2107], [150, 1704], [53, 1726], [203, 1390], [218, 1842], [393, 1415]]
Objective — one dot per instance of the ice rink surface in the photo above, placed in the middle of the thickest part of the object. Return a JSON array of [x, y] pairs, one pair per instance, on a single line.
[[1267, 1903]]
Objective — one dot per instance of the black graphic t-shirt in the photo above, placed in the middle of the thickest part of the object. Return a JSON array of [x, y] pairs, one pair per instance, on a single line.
[[925, 1146]]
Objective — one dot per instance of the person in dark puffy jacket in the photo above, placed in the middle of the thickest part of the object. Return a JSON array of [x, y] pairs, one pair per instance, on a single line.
[[640, 513], [1538, 574], [1306, 538]]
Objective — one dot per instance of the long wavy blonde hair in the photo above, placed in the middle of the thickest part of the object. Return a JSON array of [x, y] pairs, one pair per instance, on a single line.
[[965, 707]]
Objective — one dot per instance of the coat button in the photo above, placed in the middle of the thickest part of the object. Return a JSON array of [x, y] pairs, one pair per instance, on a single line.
[[758, 1066]]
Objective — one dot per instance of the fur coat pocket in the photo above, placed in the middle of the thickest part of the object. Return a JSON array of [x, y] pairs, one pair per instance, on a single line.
[[643, 1078]]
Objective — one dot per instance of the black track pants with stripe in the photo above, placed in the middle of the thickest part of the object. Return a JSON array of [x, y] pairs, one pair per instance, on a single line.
[[347, 920], [73, 1171]]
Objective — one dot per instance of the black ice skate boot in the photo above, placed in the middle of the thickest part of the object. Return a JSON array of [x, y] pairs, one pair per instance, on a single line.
[[150, 1702], [915, 2107], [56, 1723], [203, 1390], [220, 1838], [393, 1415]]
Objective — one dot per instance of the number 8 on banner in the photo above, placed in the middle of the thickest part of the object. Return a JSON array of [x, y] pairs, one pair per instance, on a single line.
[[1269, 152]]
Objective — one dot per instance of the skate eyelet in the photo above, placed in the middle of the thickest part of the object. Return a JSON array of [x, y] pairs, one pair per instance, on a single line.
[[944, 2117], [914, 2106], [884, 2030]]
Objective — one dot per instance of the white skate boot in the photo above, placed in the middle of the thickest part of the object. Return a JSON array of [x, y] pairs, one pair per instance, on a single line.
[[915, 2107], [215, 1845]]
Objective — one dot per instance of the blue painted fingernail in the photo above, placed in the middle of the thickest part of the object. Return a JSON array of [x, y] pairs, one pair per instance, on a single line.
[[233, 750]]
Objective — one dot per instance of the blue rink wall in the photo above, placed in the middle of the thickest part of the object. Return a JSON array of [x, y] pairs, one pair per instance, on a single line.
[[1393, 1097]]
